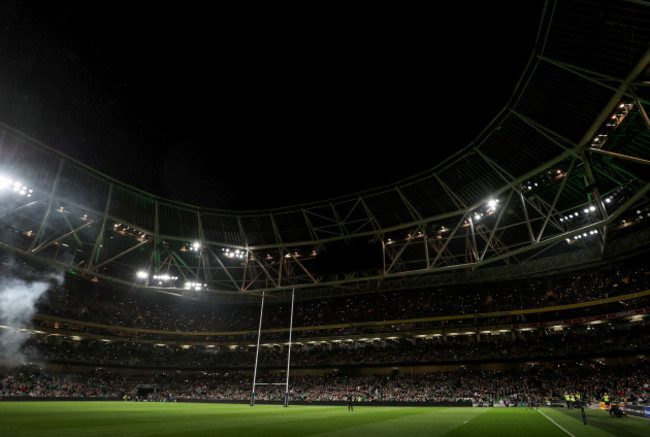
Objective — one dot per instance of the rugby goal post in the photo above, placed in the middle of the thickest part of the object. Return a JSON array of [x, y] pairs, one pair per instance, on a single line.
[[257, 353]]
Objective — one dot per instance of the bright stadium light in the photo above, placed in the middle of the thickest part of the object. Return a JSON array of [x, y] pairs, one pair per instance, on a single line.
[[164, 278], [5, 182], [233, 253], [191, 247], [16, 186], [196, 286], [492, 204]]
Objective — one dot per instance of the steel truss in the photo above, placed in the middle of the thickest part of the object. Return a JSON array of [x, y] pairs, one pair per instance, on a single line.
[[564, 177]]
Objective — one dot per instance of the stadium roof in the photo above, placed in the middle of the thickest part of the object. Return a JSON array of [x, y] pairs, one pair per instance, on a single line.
[[246, 115], [557, 178]]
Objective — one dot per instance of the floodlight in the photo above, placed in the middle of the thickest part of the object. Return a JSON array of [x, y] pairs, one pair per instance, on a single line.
[[4, 182], [237, 253], [164, 277], [197, 286]]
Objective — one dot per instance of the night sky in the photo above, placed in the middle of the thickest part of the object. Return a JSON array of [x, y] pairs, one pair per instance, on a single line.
[[246, 108]]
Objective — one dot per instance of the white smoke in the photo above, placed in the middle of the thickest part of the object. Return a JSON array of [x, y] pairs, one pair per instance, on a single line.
[[18, 299]]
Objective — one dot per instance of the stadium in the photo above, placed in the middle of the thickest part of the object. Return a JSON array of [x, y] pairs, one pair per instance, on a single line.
[[504, 291]]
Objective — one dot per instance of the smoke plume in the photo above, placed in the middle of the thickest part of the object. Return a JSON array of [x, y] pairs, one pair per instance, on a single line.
[[18, 299]]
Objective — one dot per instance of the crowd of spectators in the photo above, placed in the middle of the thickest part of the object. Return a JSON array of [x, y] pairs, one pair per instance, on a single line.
[[627, 383], [624, 338], [93, 303], [89, 302]]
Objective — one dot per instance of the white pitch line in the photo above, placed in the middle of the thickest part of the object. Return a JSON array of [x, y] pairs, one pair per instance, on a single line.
[[555, 423]]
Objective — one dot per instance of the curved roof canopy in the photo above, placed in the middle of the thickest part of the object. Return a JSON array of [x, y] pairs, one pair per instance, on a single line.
[[558, 177]]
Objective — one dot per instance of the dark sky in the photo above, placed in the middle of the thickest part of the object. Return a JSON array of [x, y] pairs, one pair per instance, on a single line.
[[246, 108]]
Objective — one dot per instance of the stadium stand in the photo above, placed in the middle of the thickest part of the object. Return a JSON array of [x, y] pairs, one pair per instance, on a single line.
[[409, 348], [112, 293]]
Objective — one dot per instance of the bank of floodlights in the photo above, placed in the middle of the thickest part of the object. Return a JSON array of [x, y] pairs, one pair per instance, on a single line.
[[158, 279], [486, 210], [614, 120], [233, 253], [579, 237], [195, 286], [162, 279], [18, 188], [191, 247], [572, 216]]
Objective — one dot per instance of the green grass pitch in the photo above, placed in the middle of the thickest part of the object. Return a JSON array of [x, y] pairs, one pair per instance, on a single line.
[[124, 419]]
